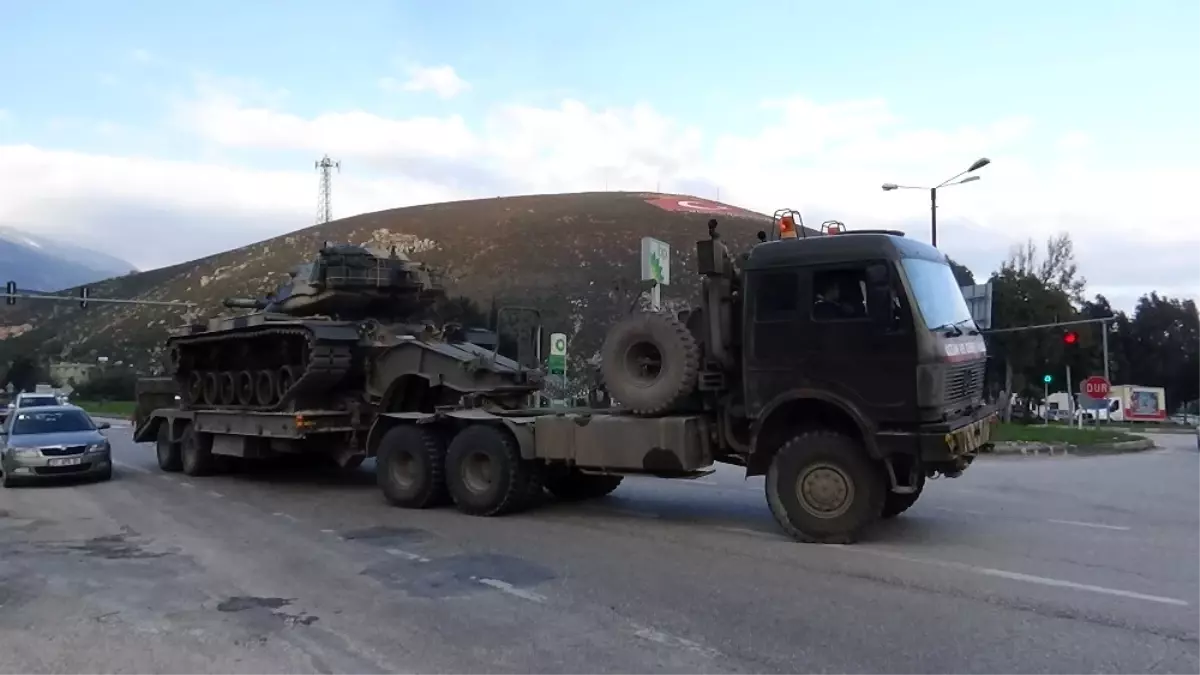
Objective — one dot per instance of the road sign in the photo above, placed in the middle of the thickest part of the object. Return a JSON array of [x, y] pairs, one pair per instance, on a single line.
[[656, 265], [1095, 387], [557, 362]]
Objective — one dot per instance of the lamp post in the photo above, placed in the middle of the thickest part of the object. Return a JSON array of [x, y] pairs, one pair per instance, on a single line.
[[955, 180]]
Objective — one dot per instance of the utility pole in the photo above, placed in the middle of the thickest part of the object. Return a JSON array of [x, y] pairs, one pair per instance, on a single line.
[[325, 196]]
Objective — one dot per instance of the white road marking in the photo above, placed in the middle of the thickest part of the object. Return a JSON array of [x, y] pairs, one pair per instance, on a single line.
[[166, 476], [1079, 523], [294, 519], [187, 484], [505, 587], [1014, 576], [216, 494], [704, 481], [131, 467], [329, 531], [631, 513], [406, 555], [673, 641]]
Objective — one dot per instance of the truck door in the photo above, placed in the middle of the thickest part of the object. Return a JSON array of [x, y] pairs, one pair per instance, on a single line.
[[857, 342], [773, 346]]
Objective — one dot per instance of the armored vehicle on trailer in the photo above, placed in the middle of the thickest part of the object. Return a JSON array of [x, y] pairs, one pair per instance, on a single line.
[[305, 341]]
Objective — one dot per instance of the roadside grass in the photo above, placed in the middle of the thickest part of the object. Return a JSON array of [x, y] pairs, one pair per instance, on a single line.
[[1058, 433], [121, 409]]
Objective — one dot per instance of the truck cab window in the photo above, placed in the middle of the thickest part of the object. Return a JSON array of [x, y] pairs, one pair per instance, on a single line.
[[778, 296], [839, 295]]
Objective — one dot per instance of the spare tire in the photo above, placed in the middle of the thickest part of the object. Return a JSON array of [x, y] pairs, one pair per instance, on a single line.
[[649, 363]]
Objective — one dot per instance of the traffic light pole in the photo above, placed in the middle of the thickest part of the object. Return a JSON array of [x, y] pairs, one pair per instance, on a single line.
[[84, 301], [1056, 324]]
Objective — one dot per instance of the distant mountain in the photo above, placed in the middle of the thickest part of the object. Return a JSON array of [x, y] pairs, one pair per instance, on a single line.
[[40, 263]]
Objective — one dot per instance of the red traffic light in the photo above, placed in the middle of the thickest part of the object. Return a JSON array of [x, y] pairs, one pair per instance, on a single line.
[[1070, 337]]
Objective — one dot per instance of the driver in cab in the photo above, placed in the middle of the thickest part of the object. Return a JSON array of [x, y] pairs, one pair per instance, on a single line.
[[840, 297]]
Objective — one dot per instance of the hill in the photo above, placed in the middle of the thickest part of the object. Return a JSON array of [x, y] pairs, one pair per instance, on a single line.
[[39, 263], [561, 253]]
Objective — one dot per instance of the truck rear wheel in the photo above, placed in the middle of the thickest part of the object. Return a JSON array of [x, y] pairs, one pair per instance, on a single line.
[[196, 452], [649, 362], [572, 485], [823, 489], [410, 467], [485, 474], [169, 455]]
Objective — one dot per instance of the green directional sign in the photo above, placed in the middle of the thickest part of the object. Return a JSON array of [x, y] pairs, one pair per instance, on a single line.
[[557, 363]]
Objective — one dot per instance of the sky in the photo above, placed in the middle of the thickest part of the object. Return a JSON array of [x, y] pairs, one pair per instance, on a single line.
[[162, 132]]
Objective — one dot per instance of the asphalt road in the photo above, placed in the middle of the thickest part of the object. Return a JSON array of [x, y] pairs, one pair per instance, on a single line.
[[1021, 565]]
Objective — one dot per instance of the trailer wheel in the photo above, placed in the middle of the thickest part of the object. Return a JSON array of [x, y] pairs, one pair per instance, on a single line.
[[410, 467], [485, 473], [572, 485], [894, 504], [649, 362], [196, 452], [822, 488], [170, 458]]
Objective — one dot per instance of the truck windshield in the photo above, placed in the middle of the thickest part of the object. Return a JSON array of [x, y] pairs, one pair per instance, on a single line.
[[936, 293]]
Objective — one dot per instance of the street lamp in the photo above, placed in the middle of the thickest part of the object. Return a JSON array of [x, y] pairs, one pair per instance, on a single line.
[[956, 180]]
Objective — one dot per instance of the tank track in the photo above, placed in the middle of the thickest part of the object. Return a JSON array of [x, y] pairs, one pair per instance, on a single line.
[[241, 380]]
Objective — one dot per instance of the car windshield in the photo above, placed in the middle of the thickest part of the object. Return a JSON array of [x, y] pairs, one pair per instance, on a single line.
[[938, 296], [51, 422], [31, 401]]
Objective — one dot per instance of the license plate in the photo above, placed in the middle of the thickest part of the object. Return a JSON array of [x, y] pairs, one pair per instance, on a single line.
[[971, 437], [66, 461]]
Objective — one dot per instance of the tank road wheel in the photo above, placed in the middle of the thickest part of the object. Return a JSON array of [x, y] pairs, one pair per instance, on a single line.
[[894, 504], [169, 455], [228, 388], [572, 485], [411, 467], [245, 387], [212, 388], [822, 488], [264, 388], [195, 387], [284, 381], [485, 473], [649, 362], [196, 452]]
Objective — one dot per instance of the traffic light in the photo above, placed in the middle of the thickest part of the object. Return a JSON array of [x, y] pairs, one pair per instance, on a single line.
[[1047, 378], [83, 296], [1070, 338], [11, 293]]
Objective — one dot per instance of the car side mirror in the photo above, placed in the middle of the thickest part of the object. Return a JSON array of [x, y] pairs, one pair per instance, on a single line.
[[103, 425]]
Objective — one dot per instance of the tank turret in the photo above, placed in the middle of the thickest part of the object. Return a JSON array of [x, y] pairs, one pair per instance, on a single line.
[[350, 283]]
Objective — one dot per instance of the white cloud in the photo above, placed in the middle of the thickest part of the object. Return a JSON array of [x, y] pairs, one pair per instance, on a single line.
[[828, 160], [141, 55], [441, 80]]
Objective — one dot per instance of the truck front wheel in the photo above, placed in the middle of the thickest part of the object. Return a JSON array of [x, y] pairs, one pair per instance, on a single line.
[[169, 455], [410, 467], [895, 504], [822, 488], [485, 473]]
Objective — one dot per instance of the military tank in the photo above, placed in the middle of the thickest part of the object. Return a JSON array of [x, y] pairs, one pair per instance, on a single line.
[[299, 343]]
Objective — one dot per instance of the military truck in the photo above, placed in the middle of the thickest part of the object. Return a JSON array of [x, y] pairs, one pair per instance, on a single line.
[[845, 367]]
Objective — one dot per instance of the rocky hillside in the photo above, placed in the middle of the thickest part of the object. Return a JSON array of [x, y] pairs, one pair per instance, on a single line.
[[562, 253]]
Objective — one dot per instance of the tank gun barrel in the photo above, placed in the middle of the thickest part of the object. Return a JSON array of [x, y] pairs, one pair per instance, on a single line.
[[245, 303]]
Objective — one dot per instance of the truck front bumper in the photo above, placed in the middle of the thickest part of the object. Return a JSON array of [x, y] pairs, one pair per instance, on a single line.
[[954, 443]]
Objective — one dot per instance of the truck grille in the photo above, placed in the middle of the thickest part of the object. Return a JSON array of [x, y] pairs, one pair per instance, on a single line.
[[964, 383]]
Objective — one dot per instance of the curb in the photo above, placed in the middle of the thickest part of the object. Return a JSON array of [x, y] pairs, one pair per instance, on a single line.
[[1060, 449]]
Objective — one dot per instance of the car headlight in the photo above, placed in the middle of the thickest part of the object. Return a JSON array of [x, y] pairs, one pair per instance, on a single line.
[[25, 452], [98, 447]]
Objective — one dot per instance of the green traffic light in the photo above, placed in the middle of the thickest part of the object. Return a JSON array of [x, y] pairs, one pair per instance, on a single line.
[[1047, 378]]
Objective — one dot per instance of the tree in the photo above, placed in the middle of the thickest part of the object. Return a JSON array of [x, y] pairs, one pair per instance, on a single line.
[[962, 274], [23, 374]]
